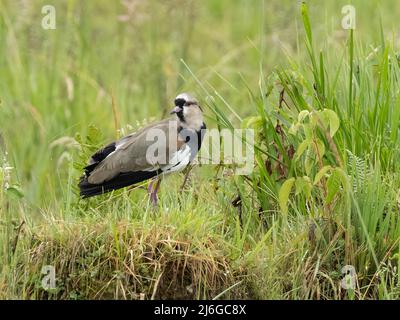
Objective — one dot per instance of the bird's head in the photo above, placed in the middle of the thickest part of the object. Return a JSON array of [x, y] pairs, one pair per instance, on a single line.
[[188, 111]]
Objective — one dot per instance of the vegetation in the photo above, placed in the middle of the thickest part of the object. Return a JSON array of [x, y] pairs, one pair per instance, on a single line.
[[325, 191]]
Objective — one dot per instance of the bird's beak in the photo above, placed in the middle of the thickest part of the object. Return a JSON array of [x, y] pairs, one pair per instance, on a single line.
[[176, 110]]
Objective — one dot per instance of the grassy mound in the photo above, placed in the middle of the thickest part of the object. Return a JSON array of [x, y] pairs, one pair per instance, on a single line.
[[122, 261]]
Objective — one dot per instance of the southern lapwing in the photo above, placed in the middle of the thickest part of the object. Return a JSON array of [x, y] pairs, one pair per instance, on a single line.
[[158, 149]]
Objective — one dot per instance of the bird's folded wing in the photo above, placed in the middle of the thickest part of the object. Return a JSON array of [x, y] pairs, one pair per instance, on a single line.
[[136, 152]]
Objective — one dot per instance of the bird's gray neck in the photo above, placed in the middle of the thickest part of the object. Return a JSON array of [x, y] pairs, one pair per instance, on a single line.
[[191, 123]]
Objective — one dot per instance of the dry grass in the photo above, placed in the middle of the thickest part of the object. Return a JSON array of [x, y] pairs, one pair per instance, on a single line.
[[125, 261]]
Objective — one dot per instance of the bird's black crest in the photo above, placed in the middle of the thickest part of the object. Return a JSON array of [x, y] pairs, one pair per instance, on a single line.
[[180, 102]]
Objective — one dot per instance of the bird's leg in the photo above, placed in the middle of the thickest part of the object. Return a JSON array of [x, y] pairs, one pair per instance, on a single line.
[[154, 196], [150, 187], [152, 190]]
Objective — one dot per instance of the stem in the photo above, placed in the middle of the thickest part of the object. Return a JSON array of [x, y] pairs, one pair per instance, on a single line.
[[351, 55]]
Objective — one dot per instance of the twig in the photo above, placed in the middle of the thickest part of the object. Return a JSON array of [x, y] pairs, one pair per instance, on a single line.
[[115, 114], [186, 177], [15, 242]]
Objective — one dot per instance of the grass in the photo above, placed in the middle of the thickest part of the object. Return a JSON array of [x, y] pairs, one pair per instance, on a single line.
[[325, 190]]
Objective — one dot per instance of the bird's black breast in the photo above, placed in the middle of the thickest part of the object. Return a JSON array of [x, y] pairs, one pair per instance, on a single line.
[[200, 134], [193, 137]]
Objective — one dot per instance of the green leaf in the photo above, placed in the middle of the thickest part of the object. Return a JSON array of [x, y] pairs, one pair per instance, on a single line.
[[323, 117], [294, 128], [308, 131], [321, 148], [252, 122], [306, 21], [15, 191], [302, 115], [303, 185], [333, 185], [334, 121], [94, 135], [284, 195], [309, 162], [314, 118], [344, 179], [321, 173], [302, 147]]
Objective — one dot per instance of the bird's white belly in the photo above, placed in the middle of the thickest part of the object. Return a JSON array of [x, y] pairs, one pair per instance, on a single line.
[[178, 161]]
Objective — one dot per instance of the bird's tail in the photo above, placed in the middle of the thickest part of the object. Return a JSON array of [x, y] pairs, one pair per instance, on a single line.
[[122, 180]]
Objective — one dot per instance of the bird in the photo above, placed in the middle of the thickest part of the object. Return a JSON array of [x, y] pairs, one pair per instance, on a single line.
[[150, 153]]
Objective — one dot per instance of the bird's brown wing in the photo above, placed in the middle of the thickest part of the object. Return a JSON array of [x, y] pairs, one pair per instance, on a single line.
[[135, 152]]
